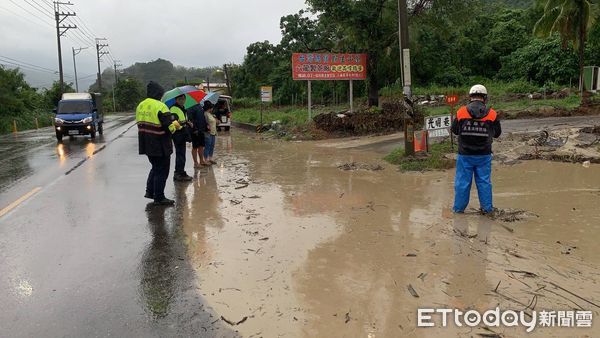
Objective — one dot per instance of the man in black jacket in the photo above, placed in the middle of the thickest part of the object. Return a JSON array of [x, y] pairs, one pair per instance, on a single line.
[[476, 127], [196, 115], [155, 127]]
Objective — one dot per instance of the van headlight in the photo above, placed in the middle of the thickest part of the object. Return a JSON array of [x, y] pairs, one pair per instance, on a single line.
[[86, 120], [58, 121]]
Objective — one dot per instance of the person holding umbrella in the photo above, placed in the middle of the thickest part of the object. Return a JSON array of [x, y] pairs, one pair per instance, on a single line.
[[196, 115], [184, 97], [180, 139], [211, 134], [155, 125]]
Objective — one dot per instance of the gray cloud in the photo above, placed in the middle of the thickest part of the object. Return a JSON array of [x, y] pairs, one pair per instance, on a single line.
[[187, 32]]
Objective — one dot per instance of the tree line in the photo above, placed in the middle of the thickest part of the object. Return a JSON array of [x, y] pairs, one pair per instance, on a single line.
[[453, 43]]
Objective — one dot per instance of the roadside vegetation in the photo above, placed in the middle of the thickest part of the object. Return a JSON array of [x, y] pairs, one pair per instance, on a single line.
[[433, 160], [496, 47]]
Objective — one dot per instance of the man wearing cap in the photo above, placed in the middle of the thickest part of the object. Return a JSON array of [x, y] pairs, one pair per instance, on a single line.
[[476, 126]]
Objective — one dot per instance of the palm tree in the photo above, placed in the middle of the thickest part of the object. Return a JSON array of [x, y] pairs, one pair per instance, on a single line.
[[571, 19]]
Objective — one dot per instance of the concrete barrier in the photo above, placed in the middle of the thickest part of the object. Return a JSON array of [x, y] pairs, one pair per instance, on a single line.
[[244, 126]]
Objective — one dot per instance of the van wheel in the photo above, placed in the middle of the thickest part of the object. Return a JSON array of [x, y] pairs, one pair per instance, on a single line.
[[227, 128], [59, 136], [218, 128], [100, 129], [93, 133]]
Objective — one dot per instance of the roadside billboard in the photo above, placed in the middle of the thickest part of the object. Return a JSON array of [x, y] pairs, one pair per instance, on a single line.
[[329, 66]]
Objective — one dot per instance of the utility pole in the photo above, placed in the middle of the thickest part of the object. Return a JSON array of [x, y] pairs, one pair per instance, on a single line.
[[117, 64], [75, 52], [409, 132], [99, 54], [61, 29], [115, 85], [227, 79]]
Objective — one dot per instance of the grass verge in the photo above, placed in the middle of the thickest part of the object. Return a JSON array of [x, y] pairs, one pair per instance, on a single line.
[[26, 121], [289, 116], [434, 160], [510, 107]]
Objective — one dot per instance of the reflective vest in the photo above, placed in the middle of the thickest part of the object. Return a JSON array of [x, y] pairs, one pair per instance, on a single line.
[[147, 118], [470, 126], [180, 114]]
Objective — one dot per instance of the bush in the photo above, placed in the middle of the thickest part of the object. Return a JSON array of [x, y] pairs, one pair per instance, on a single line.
[[520, 86], [434, 160], [539, 62], [245, 102]]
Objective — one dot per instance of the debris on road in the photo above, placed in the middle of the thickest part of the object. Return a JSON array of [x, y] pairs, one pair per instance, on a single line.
[[412, 291], [511, 215], [234, 323], [360, 166]]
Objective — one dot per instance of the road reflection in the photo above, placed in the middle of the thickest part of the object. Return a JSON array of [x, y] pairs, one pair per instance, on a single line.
[[157, 279]]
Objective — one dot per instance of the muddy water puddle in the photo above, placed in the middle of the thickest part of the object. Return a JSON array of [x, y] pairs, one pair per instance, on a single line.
[[287, 244]]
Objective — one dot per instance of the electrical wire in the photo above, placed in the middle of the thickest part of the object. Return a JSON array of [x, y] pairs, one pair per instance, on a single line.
[[22, 17], [31, 13], [26, 63], [37, 8]]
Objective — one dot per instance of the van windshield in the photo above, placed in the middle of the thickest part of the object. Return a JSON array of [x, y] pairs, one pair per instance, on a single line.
[[75, 107]]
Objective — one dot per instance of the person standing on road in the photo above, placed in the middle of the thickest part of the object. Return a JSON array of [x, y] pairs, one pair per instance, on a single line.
[[180, 140], [211, 134], [196, 114], [156, 124], [476, 126]]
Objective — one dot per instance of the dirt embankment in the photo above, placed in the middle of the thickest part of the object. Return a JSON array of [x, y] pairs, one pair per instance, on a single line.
[[548, 111], [574, 145], [365, 120]]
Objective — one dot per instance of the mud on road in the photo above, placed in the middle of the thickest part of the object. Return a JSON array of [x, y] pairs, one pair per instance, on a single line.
[[285, 242]]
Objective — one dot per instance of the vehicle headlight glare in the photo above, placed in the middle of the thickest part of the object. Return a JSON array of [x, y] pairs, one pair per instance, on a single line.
[[58, 120], [87, 120]]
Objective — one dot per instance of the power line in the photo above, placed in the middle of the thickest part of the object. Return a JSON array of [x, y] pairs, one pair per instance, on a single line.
[[30, 66], [87, 76], [82, 39], [50, 7], [33, 14], [26, 63], [21, 16], [47, 3], [37, 8], [16, 65], [85, 29]]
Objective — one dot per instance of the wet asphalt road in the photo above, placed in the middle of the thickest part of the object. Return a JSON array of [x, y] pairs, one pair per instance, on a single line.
[[276, 236], [84, 256]]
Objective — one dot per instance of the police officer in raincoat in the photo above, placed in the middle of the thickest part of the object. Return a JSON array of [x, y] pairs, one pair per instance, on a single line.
[[476, 126], [180, 139], [155, 128]]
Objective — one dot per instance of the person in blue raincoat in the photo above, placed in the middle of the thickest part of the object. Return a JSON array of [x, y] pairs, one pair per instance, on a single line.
[[476, 126]]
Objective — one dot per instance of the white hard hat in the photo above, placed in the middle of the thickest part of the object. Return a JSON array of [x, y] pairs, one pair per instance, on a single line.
[[478, 90]]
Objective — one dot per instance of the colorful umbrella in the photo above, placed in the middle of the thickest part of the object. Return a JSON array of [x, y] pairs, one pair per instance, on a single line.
[[193, 96], [212, 97]]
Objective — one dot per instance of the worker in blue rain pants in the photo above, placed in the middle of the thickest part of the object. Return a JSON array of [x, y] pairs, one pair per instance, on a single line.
[[476, 126]]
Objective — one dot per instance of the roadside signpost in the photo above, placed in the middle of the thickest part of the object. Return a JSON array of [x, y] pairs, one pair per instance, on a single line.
[[452, 101], [328, 66], [266, 95], [438, 126]]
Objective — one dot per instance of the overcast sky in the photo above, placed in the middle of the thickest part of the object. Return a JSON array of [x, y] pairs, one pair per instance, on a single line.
[[187, 32]]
